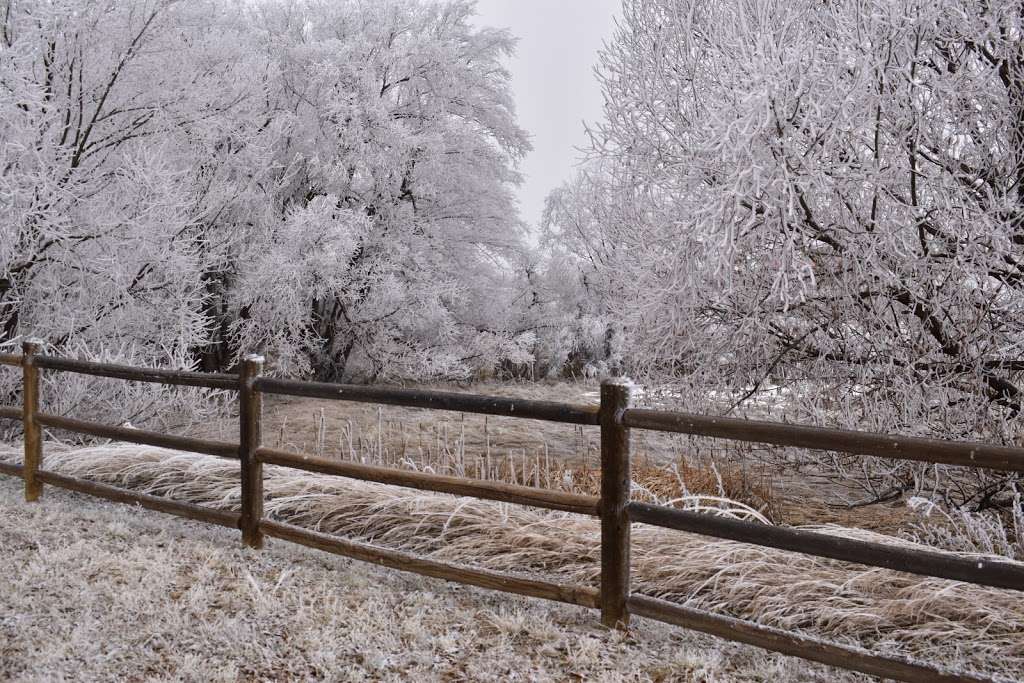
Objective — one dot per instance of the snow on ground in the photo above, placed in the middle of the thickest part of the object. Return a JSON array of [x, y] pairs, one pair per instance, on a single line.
[[97, 591]]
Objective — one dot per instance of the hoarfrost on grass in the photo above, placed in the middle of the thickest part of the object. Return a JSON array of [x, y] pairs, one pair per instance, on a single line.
[[929, 619], [117, 593]]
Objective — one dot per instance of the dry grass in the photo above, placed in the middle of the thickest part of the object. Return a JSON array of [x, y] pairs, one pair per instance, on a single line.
[[527, 452], [555, 455], [101, 592], [392, 435], [940, 621]]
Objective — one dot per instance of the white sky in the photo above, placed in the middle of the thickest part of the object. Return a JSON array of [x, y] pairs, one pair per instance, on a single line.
[[554, 84]]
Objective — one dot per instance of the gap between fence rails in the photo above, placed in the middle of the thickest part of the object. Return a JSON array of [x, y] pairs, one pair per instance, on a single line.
[[615, 416]]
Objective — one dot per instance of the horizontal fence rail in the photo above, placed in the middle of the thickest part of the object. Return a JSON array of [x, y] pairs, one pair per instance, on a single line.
[[615, 416], [127, 372], [437, 400], [484, 578], [794, 644], [118, 495], [12, 469], [475, 488], [130, 434], [981, 571], [962, 453]]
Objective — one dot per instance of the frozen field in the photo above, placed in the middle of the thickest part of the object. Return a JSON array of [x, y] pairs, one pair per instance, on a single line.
[[96, 591]]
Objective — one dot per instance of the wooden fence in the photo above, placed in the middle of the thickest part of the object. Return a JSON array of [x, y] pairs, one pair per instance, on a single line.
[[617, 513]]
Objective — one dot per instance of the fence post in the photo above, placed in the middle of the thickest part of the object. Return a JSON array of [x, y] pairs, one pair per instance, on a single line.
[[250, 410], [30, 406], [615, 484]]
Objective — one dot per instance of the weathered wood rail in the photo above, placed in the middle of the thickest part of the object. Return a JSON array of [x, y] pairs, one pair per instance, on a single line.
[[614, 416]]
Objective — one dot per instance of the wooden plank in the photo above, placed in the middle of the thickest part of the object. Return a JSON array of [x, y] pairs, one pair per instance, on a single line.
[[964, 453], [615, 485], [220, 449], [574, 595], [10, 359], [33, 434], [776, 640], [981, 571], [487, 490], [136, 374], [12, 469], [9, 413], [437, 400], [250, 410], [223, 518]]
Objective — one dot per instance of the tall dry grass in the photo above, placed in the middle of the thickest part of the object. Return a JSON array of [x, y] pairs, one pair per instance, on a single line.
[[479, 449], [949, 623]]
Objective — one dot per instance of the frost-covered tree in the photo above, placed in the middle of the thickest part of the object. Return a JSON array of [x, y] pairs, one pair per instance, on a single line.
[[102, 199], [329, 182], [391, 222], [97, 189], [576, 282], [824, 199]]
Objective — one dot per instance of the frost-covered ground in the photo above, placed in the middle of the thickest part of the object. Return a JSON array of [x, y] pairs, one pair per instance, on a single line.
[[97, 591], [131, 594]]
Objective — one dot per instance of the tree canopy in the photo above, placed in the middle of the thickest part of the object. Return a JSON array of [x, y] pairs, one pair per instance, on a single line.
[[811, 207], [328, 182]]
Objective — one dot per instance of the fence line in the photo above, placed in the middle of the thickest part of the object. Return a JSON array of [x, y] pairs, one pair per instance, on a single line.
[[617, 513]]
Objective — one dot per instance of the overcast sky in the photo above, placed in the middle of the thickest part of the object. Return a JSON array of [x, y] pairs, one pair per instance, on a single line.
[[553, 81]]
